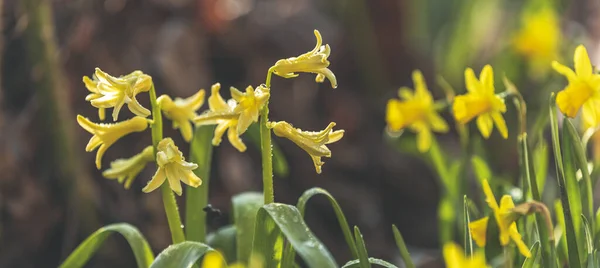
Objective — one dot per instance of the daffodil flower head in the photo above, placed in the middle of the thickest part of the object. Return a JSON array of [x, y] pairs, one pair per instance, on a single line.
[[505, 219], [480, 101], [455, 257], [583, 89], [126, 170], [314, 143], [249, 104], [106, 135], [182, 111], [314, 61], [225, 116], [415, 111], [172, 167], [107, 91]]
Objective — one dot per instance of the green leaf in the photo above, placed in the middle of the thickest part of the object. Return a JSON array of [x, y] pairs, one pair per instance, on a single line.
[[245, 207], [184, 254], [356, 263], [468, 242], [196, 199], [589, 243], [139, 245], [587, 197], [224, 240], [363, 256], [481, 168], [493, 248], [540, 164], [534, 260], [402, 247], [277, 219], [280, 165]]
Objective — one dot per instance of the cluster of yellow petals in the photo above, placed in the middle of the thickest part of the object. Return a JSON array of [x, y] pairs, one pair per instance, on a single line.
[[173, 168], [583, 90], [125, 170], [106, 135], [314, 143], [107, 91], [314, 61], [182, 111], [504, 218], [480, 101], [234, 115], [415, 111], [455, 258]]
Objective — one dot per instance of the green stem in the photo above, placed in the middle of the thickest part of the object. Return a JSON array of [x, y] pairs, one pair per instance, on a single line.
[[266, 148], [168, 197]]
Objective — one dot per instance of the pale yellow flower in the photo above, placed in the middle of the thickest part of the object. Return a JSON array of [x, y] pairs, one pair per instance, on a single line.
[[114, 92], [182, 111], [481, 102], [172, 167], [107, 134], [504, 218], [314, 143], [214, 259], [249, 105], [125, 170], [314, 61], [415, 111], [583, 89], [455, 257]]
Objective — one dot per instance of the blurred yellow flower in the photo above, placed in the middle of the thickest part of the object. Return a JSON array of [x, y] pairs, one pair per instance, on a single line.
[[125, 170], [539, 38], [505, 219], [181, 111], [249, 105], [172, 167], [107, 134], [416, 112], [214, 259], [314, 143], [583, 89], [481, 101], [314, 61], [112, 92], [455, 257]]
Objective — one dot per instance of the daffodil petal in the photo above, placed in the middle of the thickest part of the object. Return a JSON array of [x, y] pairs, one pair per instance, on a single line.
[[453, 256], [489, 195], [500, 124], [487, 79], [485, 125], [583, 66], [424, 140], [157, 180], [471, 81], [478, 231]]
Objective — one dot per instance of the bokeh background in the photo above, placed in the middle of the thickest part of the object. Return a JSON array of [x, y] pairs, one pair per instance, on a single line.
[[52, 196]]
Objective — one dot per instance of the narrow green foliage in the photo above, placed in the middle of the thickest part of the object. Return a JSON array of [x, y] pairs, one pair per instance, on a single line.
[[80, 256], [468, 242], [280, 164], [540, 164], [363, 256], [378, 262], [196, 199], [245, 207], [589, 243], [587, 196], [184, 254], [277, 219], [534, 260], [481, 168], [493, 248], [402, 247]]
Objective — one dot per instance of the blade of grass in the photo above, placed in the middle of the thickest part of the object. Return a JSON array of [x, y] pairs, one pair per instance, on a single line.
[[402, 247], [582, 164], [468, 243], [363, 256], [531, 262]]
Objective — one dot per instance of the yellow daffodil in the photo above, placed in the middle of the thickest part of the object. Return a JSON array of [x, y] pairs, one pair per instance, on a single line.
[[125, 170], [539, 38], [455, 258], [583, 89], [172, 167], [107, 134], [505, 219], [181, 111], [314, 61], [249, 105], [214, 259], [415, 111], [481, 101], [114, 92], [314, 143]]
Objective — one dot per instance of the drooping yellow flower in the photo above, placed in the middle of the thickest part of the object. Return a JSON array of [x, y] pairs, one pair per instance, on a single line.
[[455, 258], [314, 61], [107, 134], [113, 92], [172, 167], [583, 89], [125, 170], [481, 102], [182, 111], [416, 112], [249, 105], [504, 218], [314, 143], [539, 38]]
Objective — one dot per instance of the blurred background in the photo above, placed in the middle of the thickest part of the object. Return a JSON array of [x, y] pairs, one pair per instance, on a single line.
[[52, 196]]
